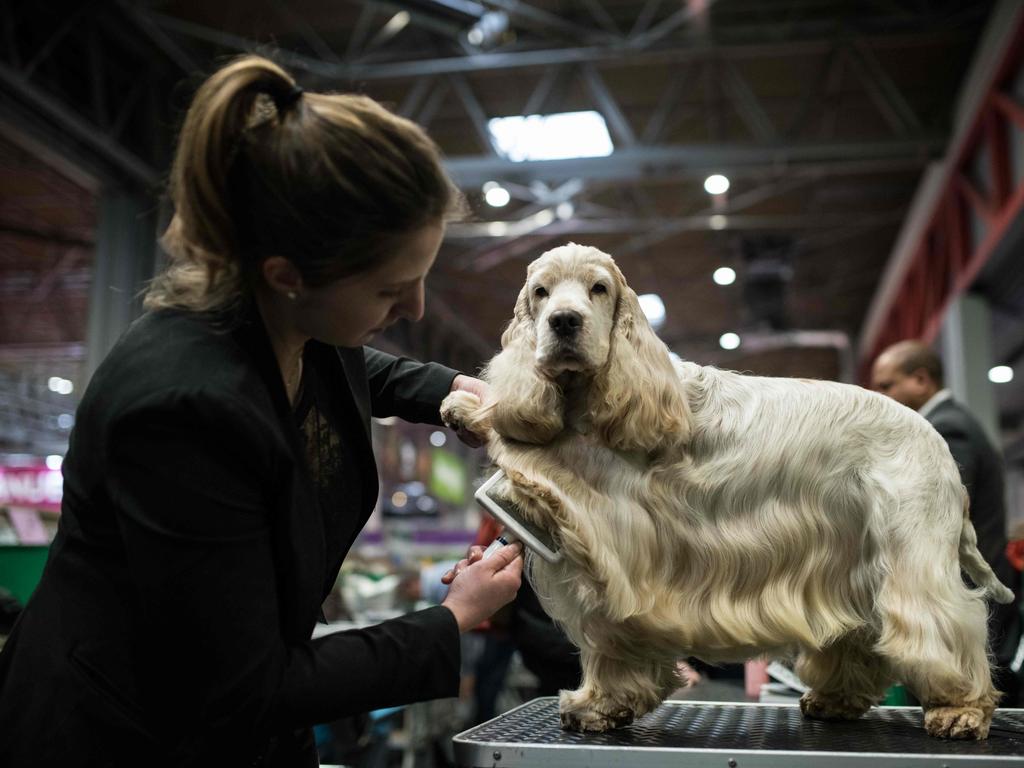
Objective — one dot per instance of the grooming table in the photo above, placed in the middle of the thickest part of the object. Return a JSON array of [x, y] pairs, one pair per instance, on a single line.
[[732, 735]]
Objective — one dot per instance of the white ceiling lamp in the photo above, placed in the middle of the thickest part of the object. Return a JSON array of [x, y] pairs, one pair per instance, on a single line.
[[653, 308], [496, 195], [559, 136], [1000, 374], [60, 385], [490, 30], [718, 221], [724, 276], [729, 340], [716, 184]]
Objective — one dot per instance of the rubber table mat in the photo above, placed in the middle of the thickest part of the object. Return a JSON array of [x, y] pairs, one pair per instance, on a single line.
[[733, 735]]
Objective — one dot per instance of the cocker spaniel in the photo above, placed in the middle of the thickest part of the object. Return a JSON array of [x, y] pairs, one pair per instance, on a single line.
[[706, 513]]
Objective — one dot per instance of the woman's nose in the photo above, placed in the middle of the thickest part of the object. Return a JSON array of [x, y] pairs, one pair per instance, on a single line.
[[413, 304]]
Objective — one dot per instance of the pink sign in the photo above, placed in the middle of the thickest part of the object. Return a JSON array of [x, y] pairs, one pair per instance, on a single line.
[[33, 487]]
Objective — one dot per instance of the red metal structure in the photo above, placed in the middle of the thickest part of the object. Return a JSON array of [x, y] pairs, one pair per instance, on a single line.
[[983, 193]]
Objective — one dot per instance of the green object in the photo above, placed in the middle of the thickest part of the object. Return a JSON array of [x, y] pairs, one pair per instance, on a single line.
[[896, 696], [21, 565], [447, 477]]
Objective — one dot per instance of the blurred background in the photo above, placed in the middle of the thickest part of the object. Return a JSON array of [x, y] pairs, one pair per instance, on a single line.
[[791, 184]]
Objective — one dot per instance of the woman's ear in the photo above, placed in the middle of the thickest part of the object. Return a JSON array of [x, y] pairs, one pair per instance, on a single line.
[[281, 276], [522, 404], [637, 401]]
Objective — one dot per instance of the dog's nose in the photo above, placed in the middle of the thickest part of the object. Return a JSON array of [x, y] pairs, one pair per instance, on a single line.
[[566, 322]]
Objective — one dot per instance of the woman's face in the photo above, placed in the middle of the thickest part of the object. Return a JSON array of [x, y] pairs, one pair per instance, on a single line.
[[351, 311]]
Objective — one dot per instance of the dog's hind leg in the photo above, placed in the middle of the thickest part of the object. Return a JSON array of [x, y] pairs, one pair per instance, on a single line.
[[938, 648], [846, 679], [615, 692]]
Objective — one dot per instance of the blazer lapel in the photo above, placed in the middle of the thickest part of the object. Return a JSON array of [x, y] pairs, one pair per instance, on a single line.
[[298, 526], [354, 366]]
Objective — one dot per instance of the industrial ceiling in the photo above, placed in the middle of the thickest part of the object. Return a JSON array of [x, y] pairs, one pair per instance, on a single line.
[[822, 113]]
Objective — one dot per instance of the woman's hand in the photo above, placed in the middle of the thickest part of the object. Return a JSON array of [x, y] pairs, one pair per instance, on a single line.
[[479, 388], [480, 587], [475, 553]]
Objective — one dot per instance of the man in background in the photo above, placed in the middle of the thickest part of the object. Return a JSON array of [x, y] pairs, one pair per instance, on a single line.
[[911, 373]]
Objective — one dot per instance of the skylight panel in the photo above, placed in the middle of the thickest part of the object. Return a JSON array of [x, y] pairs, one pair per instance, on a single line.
[[558, 136]]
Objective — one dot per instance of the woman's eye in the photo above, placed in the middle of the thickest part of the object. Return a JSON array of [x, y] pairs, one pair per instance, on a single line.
[[599, 288], [540, 292]]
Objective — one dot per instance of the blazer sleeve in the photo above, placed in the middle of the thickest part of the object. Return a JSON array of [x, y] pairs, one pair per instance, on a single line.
[[196, 485], [406, 388]]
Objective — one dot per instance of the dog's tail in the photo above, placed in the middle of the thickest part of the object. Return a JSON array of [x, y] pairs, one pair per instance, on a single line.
[[974, 564]]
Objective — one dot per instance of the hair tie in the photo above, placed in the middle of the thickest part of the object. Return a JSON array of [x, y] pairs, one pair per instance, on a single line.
[[286, 100]]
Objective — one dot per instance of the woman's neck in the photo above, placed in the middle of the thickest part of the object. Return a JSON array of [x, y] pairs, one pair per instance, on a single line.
[[286, 341]]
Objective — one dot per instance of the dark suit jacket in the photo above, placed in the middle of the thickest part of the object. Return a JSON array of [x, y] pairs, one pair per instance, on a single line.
[[981, 469], [172, 622]]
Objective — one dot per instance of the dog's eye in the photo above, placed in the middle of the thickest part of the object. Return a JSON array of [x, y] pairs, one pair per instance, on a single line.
[[540, 292], [599, 288]]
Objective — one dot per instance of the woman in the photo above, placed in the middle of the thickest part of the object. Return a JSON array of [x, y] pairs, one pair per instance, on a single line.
[[220, 467]]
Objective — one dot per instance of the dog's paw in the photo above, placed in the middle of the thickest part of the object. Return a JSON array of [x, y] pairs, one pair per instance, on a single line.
[[823, 706], [594, 721], [458, 407], [957, 723], [579, 711]]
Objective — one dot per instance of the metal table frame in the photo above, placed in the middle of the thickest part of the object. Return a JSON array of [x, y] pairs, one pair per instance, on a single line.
[[733, 735]]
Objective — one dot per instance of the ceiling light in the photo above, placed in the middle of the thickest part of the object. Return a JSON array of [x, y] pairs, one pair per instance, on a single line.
[[397, 23], [489, 30], [729, 340], [718, 221], [438, 438], [724, 276], [60, 385], [716, 184], [653, 308], [551, 137], [54, 461], [65, 421], [496, 195], [564, 211], [1001, 374], [543, 217], [497, 228]]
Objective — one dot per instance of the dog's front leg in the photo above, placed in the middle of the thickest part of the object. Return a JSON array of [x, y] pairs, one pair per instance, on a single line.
[[615, 692], [463, 410]]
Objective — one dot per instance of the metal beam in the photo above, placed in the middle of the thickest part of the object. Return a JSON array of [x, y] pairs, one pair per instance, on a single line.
[[609, 107], [694, 223], [53, 110], [505, 60], [882, 90], [935, 258], [747, 104], [661, 161], [475, 111]]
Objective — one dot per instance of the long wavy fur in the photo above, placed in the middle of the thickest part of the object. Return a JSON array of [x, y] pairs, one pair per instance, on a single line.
[[706, 513]]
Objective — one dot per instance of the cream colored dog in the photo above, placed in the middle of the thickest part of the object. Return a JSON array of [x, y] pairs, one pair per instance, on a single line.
[[706, 513]]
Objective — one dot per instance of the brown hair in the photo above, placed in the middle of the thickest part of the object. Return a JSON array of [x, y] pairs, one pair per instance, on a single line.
[[332, 182]]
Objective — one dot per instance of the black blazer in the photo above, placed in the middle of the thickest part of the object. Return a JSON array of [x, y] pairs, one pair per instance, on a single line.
[[981, 470], [172, 622]]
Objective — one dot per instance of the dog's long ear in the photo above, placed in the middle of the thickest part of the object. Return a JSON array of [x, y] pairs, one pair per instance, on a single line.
[[522, 404], [638, 401]]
